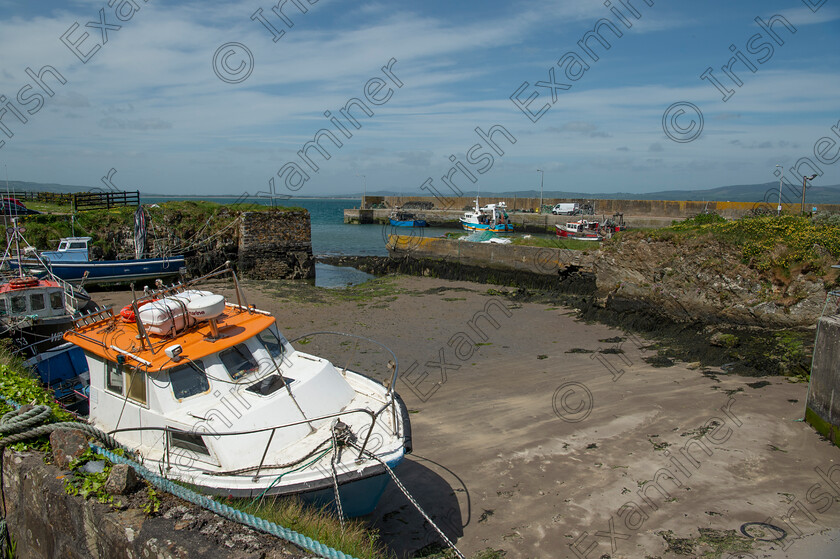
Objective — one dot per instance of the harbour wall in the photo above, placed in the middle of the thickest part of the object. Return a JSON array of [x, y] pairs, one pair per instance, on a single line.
[[538, 260], [823, 406], [662, 208], [275, 245], [637, 213]]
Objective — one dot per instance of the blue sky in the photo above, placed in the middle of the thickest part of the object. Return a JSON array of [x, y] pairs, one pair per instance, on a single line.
[[149, 104]]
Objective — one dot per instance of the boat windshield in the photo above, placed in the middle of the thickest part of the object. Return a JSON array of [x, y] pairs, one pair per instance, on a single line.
[[272, 343], [189, 379], [239, 361]]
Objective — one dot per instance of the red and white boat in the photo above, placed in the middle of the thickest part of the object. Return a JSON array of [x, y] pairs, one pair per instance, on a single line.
[[582, 230]]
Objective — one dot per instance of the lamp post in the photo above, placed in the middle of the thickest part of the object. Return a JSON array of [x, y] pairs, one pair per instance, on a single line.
[[781, 174], [364, 189], [804, 181], [542, 176]]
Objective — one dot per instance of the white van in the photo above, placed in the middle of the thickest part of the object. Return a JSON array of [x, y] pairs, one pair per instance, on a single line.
[[565, 209]]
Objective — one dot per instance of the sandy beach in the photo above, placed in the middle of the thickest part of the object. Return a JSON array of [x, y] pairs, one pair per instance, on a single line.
[[544, 436]]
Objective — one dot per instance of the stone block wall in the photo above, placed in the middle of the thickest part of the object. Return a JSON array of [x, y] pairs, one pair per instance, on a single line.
[[275, 244], [823, 407]]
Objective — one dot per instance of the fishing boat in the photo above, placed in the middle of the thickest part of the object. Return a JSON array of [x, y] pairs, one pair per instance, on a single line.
[[400, 218], [209, 392], [492, 217], [71, 262], [582, 230], [35, 310]]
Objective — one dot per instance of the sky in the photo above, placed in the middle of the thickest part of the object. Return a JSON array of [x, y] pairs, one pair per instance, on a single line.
[[336, 97]]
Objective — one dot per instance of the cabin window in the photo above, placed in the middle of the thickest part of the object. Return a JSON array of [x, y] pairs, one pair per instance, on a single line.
[[37, 302], [2, 306], [271, 343], [56, 300], [114, 378], [18, 304], [78, 245], [188, 441], [136, 380], [62, 246], [239, 361], [189, 380]]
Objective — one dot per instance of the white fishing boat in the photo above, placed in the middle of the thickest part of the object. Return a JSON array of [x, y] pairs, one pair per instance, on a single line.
[[209, 392]]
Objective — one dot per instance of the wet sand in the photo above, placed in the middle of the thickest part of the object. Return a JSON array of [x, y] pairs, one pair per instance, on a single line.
[[544, 436]]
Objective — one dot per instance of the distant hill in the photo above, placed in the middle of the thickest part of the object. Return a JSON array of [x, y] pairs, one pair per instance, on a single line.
[[731, 193]]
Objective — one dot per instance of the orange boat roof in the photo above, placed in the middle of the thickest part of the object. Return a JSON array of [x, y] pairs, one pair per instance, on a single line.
[[99, 338]]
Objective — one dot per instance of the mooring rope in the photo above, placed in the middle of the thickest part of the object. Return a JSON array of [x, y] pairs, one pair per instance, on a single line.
[[22, 425]]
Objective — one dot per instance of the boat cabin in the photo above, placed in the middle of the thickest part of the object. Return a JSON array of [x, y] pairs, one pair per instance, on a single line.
[[70, 249], [31, 297]]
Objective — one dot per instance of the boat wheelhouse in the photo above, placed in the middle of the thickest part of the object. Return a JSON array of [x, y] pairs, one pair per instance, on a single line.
[[212, 394]]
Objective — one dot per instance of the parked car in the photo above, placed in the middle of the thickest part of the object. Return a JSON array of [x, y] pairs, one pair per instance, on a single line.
[[568, 208], [10, 206]]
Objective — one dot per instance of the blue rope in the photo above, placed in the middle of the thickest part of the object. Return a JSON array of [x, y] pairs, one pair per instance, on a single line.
[[203, 501], [225, 510]]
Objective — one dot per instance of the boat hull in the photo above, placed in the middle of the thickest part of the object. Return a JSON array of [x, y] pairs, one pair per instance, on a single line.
[[113, 271], [408, 223], [497, 228], [577, 236]]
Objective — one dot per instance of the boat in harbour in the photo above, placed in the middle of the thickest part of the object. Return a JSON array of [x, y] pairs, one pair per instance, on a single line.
[[35, 310], [400, 218], [71, 262], [209, 392], [492, 217], [582, 230]]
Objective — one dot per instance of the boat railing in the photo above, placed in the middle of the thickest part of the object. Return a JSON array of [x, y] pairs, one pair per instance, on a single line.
[[167, 430]]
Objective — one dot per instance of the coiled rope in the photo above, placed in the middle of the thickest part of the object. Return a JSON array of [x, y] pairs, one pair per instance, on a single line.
[[18, 425]]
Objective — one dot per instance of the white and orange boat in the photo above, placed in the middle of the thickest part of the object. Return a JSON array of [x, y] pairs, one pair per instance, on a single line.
[[210, 393]]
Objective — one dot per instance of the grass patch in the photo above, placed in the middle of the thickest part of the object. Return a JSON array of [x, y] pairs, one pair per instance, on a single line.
[[319, 524], [782, 243], [556, 242]]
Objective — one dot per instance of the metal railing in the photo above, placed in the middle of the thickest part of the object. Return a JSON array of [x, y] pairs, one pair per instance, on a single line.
[[167, 430]]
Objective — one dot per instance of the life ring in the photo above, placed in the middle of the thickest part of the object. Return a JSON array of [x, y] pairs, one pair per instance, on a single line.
[[20, 283], [127, 312]]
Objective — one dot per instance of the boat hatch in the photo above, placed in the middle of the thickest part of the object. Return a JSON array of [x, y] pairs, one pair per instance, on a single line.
[[269, 385]]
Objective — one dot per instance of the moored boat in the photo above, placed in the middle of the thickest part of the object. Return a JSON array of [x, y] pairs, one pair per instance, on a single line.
[[212, 394], [71, 262], [399, 218], [582, 230], [492, 217]]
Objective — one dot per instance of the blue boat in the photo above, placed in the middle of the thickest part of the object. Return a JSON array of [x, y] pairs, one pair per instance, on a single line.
[[406, 219], [71, 262], [64, 371]]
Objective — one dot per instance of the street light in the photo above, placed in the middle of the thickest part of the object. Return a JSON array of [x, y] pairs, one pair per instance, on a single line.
[[781, 174], [364, 189], [805, 180], [542, 176]]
